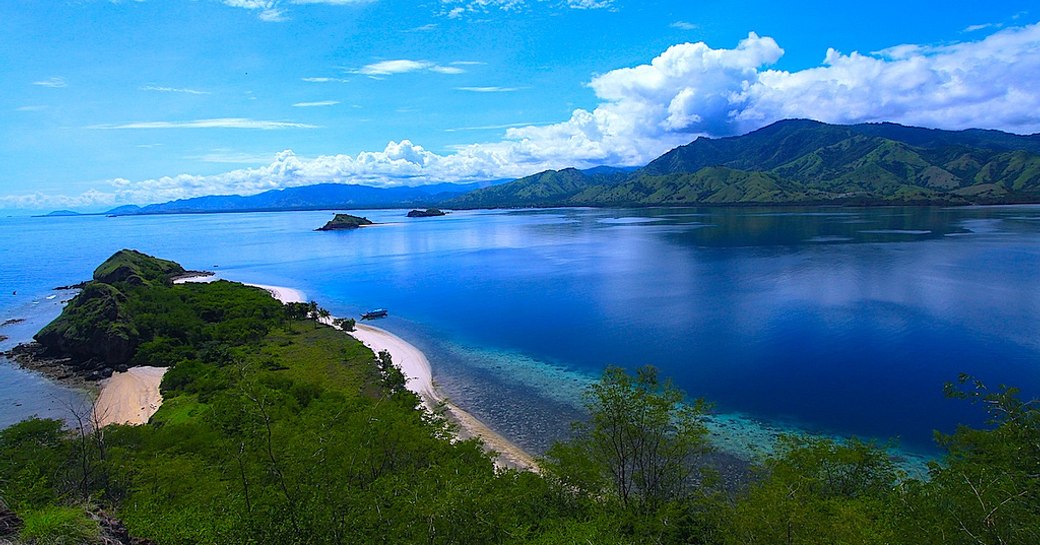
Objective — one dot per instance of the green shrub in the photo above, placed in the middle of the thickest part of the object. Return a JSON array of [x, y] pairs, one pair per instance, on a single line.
[[59, 526]]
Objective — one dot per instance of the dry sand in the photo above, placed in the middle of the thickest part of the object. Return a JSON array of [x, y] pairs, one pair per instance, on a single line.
[[129, 398]]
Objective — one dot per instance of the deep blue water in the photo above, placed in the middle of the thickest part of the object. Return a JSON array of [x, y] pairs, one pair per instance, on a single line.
[[843, 321]]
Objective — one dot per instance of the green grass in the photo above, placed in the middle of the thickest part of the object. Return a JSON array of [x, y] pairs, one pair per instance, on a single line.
[[59, 526], [182, 409], [315, 355]]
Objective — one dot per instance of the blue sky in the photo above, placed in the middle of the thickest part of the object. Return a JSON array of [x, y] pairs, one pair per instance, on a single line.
[[113, 102]]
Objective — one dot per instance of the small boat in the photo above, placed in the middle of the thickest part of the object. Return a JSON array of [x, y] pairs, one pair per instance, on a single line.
[[377, 313]]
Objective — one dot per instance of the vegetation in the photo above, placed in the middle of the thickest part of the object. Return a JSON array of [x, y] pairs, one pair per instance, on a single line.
[[428, 213], [276, 432], [131, 313], [344, 221], [801, 162]]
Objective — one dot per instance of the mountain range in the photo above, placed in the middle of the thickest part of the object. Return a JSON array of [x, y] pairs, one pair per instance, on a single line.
[[801, 162], [313, 197], [793, 161]]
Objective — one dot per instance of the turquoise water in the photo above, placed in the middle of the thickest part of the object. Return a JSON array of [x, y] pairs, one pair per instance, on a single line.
[[842, 321]]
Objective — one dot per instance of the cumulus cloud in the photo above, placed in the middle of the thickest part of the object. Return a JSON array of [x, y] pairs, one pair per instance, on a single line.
[[692, 89], [218, 123], [689, 90]]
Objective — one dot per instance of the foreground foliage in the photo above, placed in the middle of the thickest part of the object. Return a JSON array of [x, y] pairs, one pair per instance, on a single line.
[[274, 430]]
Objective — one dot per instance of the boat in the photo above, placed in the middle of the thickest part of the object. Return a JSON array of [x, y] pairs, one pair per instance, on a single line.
[[377, 313]]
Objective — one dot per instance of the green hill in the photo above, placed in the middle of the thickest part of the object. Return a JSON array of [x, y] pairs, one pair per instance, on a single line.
[[801, 162]]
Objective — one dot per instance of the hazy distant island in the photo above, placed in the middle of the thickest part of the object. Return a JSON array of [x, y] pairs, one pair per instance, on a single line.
[[344, 221], [428, 213]]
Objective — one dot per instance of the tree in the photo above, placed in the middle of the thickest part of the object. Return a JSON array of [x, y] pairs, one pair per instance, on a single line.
[[988, 488], [639, 445], [346, 324], [815, 490]]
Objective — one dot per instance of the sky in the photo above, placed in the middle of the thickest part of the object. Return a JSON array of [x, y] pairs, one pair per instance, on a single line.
[[111, 102]]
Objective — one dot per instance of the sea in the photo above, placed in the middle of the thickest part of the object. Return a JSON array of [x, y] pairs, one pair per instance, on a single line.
[[833, 321]]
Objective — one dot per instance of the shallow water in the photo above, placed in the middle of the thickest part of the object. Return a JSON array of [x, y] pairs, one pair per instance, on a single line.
[[844, 321]]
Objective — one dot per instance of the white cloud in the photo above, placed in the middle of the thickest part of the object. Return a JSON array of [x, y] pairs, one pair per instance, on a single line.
[[689, 90], [273, 12], [692, 89], [55, 82], [325, 80], [488, 89], [683, 25], [219, 123], [423, 28], [589, 4], [186, 91], [31, 108], [224, 155], [332, 2], [976, 28], [463, 7], [316, 104], [403, 66], [492, 128]]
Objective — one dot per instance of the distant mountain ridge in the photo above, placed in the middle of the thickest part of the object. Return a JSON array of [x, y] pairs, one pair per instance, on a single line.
[[802, 162], [313, 197], [794, 161]]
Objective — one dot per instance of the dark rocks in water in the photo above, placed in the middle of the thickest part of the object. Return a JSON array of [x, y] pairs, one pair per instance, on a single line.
[[344, 221], [3, 338], [12, 321], [428, 213], [36, 357], [71, 287], [191, 274]]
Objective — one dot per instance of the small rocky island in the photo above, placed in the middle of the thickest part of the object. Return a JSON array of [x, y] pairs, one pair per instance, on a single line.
[[428, 213], [344, 221]]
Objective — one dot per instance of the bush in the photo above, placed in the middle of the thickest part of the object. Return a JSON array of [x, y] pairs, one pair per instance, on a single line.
[[59, 526]]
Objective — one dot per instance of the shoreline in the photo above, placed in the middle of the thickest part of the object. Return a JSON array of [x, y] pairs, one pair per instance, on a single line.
[[419, 379]]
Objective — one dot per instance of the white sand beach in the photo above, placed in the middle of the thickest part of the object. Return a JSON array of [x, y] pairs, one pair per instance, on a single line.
[[129, 398]]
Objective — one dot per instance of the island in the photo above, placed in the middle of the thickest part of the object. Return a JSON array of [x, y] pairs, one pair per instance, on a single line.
[[344, 221], [428, 213]]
